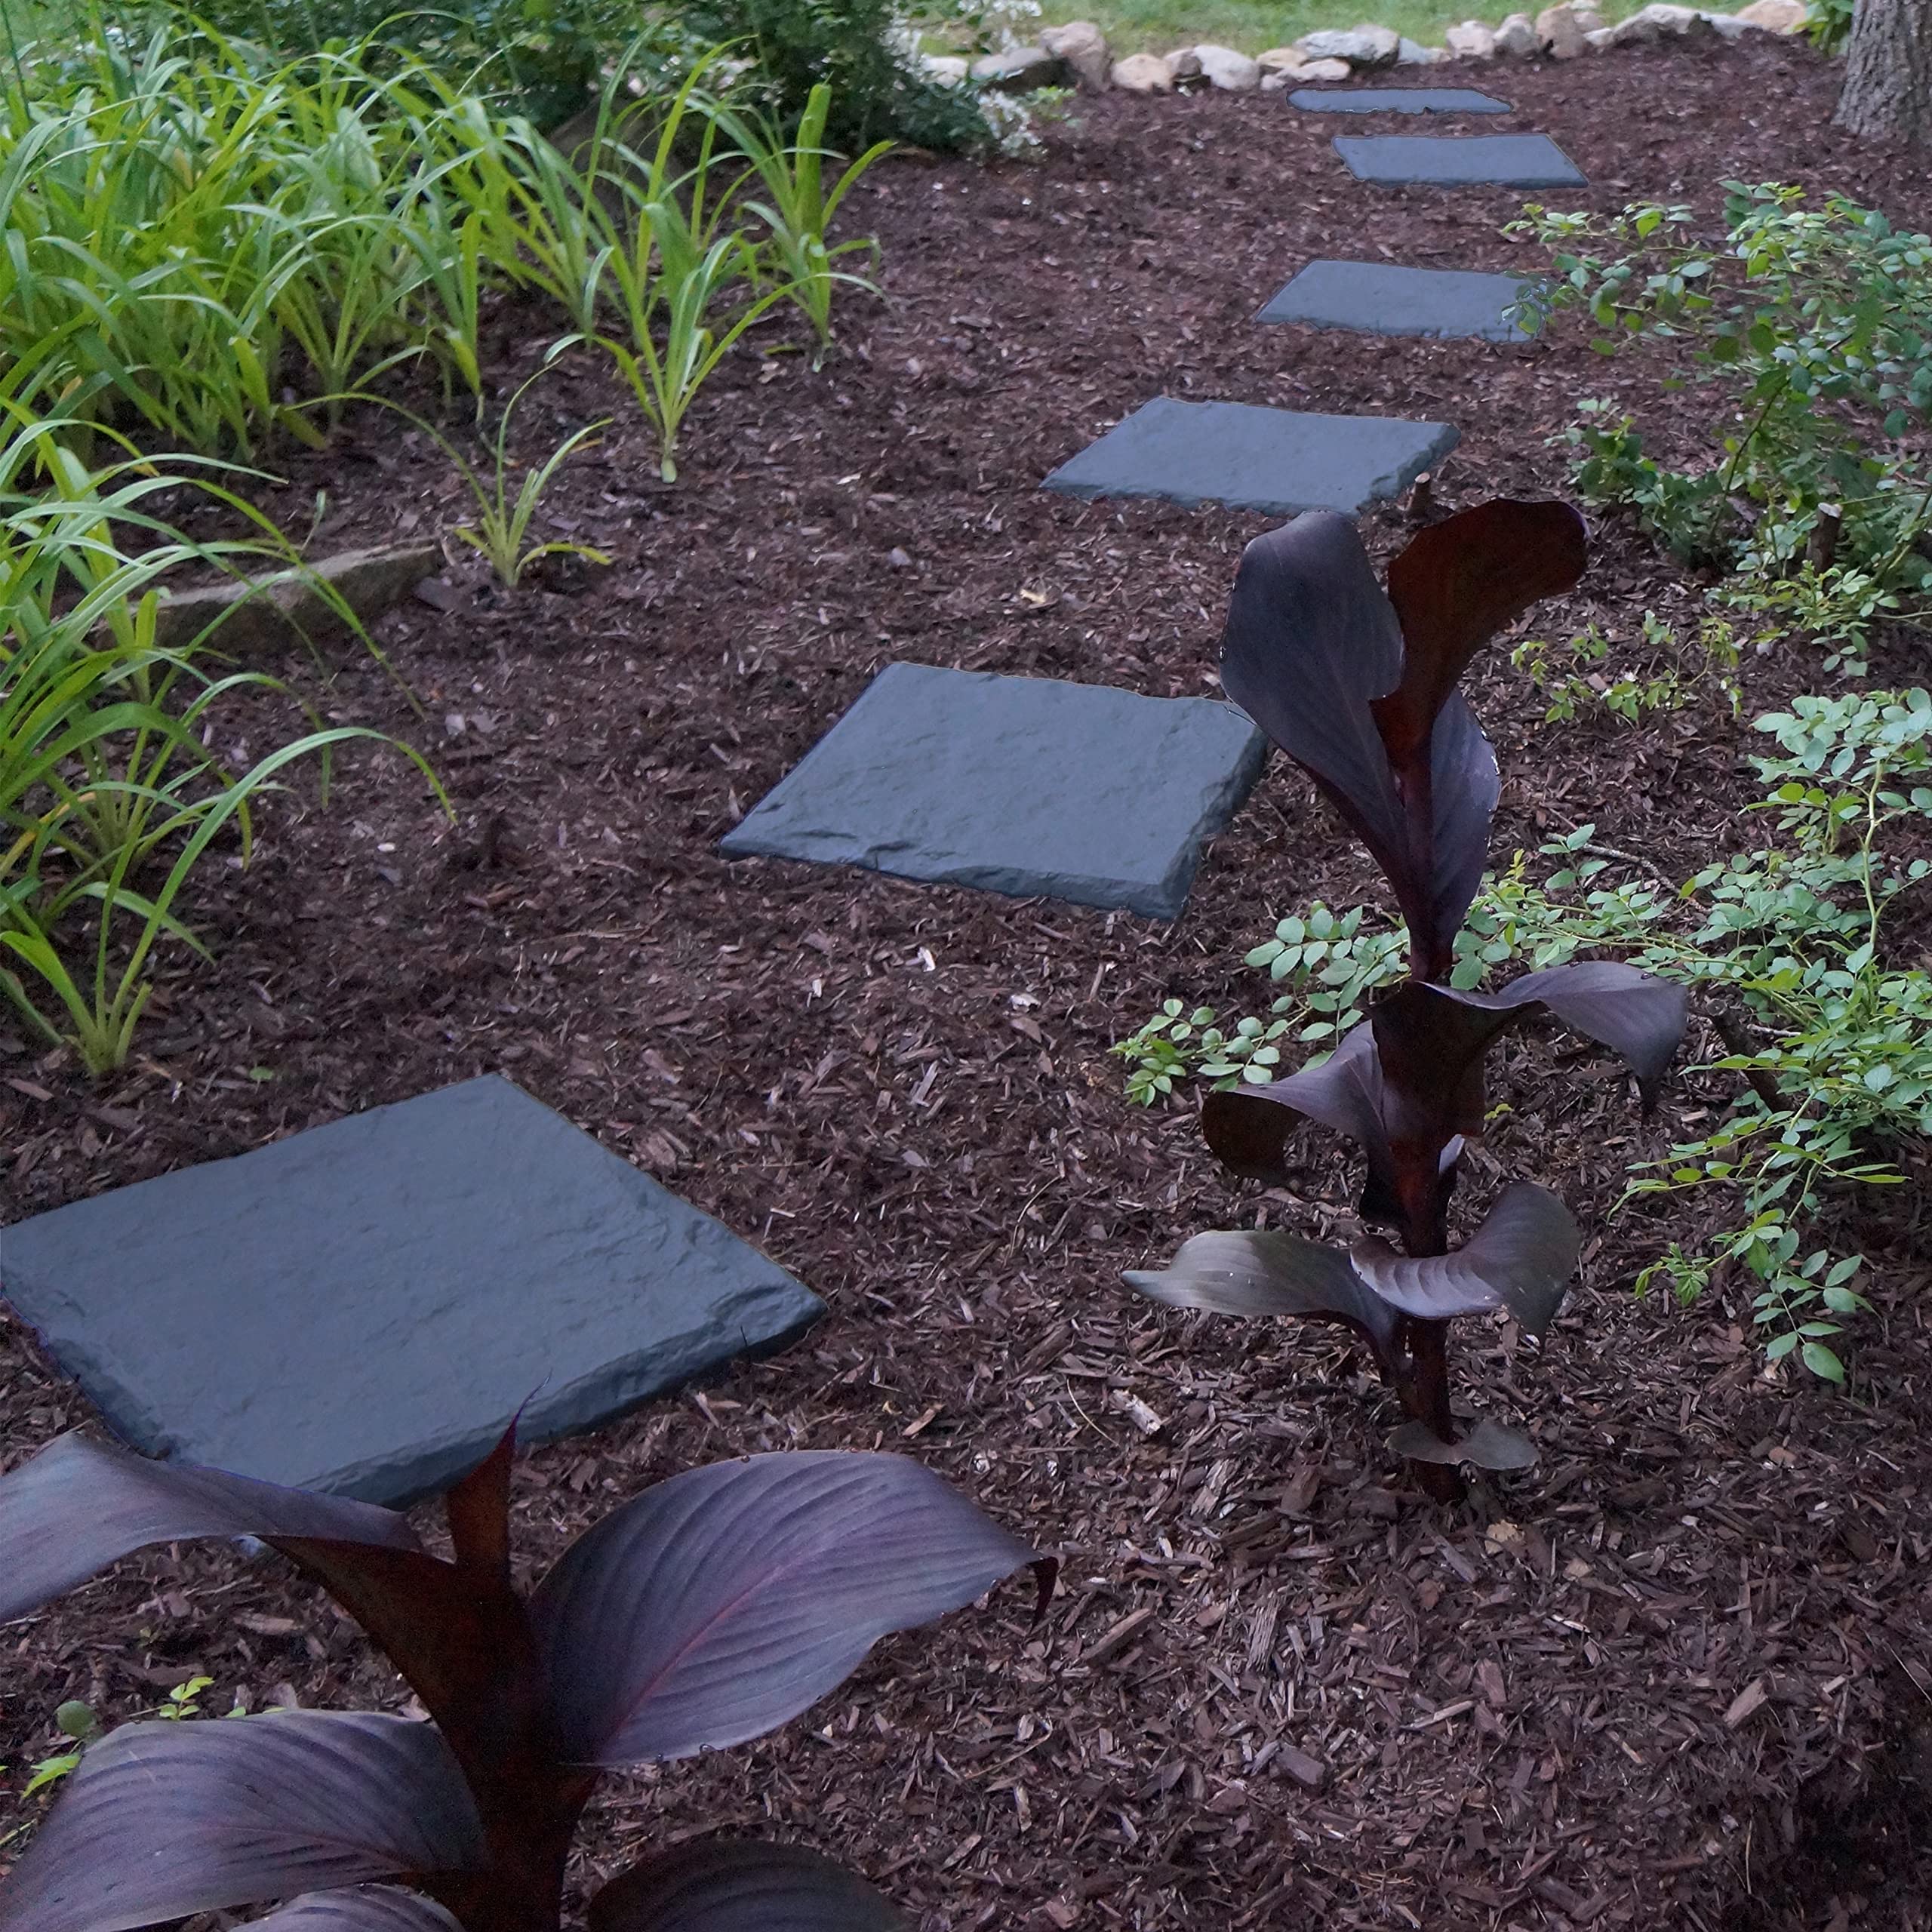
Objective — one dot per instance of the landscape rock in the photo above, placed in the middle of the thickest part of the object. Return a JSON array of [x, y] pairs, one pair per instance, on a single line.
[[1084, 47], [1588, 18], [1361, 46], [1561, 31], [1600, 39], [951, 69], [1325, 70], [1412, 54], [288, 607], [1282, 60], [1183, 64], [1021, 70], [1471, 40], [1142, 73], [1659, 22], [1517, 38], [1230, 71], [1779, 15]]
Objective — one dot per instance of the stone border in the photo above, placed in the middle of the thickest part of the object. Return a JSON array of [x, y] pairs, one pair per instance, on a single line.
[[1077, 54]]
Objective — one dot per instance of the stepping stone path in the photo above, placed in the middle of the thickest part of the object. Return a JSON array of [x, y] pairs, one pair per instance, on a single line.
[[1277, 460], [1378, 298], [1397, 101], [1460, 160], [362, 1307], [1024, 785]]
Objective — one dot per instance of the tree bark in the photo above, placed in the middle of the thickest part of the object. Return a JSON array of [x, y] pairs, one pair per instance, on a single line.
[[1888, 91]]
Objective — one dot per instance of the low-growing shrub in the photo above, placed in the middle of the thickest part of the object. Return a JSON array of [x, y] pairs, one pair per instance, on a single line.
[[1358, 688], [705, 1612]]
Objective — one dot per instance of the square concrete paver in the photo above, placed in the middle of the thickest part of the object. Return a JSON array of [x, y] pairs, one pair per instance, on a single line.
[[1023, 785], [1459, 161], [1278, 460], [362, 1307], [1397, 101], [1378, 298]]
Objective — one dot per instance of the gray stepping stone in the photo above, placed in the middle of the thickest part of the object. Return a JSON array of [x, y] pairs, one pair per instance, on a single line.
[[1381, 299], [1504, 161], [1278, 460], [362, 1307], [1397, 101], [1024, 785]]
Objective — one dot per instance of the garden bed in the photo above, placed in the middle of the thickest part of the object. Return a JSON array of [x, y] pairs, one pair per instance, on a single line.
[[1276, 1685]]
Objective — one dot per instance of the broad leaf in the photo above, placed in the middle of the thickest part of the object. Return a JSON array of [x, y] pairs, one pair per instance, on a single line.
[[708, 1886], [163, 1820], [732, 1597], [377, 1909], [1310, 640], [1464, 785], [1490, 1445], [1251, 1272], [1520, 1258], [79, 1506], [1246, 1128]]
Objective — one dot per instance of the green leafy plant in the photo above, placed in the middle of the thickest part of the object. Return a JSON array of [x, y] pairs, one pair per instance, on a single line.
[[1662, 674], [1358, 688], [1815, 327], [1828, 24], [704, 1612]]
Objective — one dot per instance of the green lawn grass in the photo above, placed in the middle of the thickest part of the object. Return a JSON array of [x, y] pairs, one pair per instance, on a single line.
[[1254, 25]]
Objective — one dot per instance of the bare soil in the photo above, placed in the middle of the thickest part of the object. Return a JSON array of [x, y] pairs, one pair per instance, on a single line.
[[1679, 1675]]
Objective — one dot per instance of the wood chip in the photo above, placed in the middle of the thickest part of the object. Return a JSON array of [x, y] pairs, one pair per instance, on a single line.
[[1119, 1636], [1752, 1698]]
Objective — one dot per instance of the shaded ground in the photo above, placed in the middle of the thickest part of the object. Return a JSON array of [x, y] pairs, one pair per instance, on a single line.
[[1278, 1687]]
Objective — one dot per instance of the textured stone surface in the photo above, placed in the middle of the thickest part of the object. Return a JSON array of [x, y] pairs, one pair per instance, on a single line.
[[1517, 37], [1506, 161], [1412, 53], [255, 613], [1364, 46], [1021, 69], [1084, 47], [1560, 30], [1023, 785], [1401, 100], [1142, 73], [1276, 460], [1231, 72], [1470, 40], [1378, 298], [1779, 16], [361, 1308]]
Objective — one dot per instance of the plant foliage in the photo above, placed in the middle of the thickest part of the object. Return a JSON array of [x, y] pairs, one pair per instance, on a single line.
[[1358, 688], [705, 1611]]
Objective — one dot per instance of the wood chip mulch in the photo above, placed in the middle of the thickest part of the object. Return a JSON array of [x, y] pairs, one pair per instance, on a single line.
[[1678, 1676]]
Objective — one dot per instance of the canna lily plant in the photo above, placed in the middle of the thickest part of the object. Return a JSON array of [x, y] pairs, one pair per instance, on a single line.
[[1358, 688], [702, 1612]]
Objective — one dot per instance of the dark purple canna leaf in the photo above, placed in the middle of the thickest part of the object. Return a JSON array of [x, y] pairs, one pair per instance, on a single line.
[[1520, 1259], [1490, 1445], [1310, 640], [79, 1506], [163, 1820], [1246, 1128], [1464, 785], [371, 1909], [710, 1886], [729, 1598], [1252, 1272]]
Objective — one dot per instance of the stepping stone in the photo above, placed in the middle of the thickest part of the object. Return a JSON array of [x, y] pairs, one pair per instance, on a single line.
[[1026, 786], [1381, 299], [1503, 161], [1397, 101], [1278, 460], [362, 1307]]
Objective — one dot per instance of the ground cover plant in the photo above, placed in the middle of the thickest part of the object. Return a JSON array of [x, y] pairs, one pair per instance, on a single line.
[[709, 1610], [1358, 688], [1815, 326]]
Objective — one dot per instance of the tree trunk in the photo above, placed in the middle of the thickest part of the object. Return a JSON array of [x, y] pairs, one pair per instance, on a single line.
[[1888, 73]]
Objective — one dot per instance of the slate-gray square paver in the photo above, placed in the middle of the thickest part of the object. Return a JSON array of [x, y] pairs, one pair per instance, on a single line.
[[1023, 786], [362, 1307], [1459, 161], [1380, 298], [1278, 460], [1396, 100]]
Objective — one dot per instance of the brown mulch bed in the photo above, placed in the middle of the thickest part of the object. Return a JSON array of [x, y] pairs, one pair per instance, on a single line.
[[1677, 1676]]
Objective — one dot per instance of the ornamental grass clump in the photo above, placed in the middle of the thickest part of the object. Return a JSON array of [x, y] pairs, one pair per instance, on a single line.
[[1358, 688], [701, 1614]]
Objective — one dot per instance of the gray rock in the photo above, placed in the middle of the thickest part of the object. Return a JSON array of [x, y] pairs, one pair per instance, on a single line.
[[1024, 785], [1274, 460], [1142, 73], [1561, 31], [1401, 100], [1378, 298], [1470, 40], [1226, 70], [1021, 70], [257, 614], [951, 68], [361, 1308], [1517, 38], [1082, 46], [1183, 64], [1504, 161], [1361, 46], [1412, 53]]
